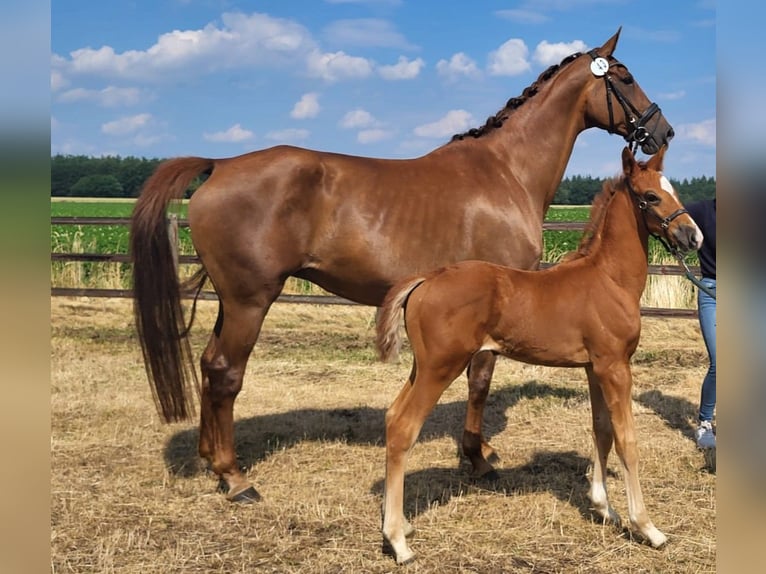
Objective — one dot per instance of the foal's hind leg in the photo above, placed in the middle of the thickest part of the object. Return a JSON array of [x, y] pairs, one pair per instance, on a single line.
[[223, 368], [404, 419], [616, 383], [475, 447], [602, 441]]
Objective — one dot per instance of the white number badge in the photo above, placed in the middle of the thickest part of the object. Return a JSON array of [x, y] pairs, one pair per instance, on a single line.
[[599, 67]]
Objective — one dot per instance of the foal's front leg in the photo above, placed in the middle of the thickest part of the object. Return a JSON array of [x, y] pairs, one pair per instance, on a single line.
[[616, 383]]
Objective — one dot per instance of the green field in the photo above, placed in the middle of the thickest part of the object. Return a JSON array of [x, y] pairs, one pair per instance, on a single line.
[[674, 292], [114, 238]]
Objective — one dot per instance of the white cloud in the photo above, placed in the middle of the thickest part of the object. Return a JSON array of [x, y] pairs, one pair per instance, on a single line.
[[680, 94], [367, 32], [454, 121], [126, 125], [510, 59], [404, 69], [459, 65], [234, 134], [373, 135], [241, 41], [522, 16], [110, 96], [306, 107], [337, 66], [358, 118], [703, 132], [58, 81], [290, 135], [547, 54], [387, 2]]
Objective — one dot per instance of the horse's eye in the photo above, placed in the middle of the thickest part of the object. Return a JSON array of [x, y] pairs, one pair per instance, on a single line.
[[652, 198], [628, 79]]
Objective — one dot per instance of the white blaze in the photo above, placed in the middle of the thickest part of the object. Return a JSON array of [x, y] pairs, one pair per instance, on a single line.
[[667, 186]]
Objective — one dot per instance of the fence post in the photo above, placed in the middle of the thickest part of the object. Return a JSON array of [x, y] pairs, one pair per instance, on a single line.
[[173, 237]]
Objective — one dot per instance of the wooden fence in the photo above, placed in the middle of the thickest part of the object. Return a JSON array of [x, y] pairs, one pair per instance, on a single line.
[[174, 223]]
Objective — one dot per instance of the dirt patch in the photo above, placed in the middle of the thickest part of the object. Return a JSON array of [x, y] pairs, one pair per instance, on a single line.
[[129, 494]]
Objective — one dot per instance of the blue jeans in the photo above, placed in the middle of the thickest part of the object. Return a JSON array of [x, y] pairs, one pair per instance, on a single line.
[[706, 309]]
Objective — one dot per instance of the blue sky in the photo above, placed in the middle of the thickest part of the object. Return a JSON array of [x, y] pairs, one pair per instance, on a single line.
[[383, 78]]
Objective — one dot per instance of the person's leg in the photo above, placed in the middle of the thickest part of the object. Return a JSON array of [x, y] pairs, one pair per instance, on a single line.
[[707, 311]]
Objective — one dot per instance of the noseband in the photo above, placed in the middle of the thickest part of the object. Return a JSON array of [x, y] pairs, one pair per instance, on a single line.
[[638, 134], [645, 209]]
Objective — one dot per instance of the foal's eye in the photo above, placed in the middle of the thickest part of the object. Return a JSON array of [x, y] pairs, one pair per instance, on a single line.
[[652, 198], [628, 79]]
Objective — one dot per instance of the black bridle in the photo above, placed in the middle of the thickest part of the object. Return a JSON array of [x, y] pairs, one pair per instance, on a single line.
[[638, 134]]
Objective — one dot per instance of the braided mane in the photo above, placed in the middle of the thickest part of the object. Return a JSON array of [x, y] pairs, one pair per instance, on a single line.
[[496, 121]]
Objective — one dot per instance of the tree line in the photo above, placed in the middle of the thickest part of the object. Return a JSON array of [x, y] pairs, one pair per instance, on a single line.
[[84, 176]]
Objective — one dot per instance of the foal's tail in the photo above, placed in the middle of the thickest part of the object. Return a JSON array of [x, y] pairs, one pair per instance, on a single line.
[[389, 318], [156, 290]]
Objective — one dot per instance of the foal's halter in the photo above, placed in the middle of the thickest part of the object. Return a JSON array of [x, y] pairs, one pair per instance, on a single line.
[[645, 209], [638, 133], [643, 206]]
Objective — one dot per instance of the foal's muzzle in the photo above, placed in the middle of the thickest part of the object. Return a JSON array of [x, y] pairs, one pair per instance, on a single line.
[[687, 237]]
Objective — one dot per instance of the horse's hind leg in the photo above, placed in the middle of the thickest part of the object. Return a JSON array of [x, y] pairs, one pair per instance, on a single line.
[[475, 447], [207, 420], [223, 368], [602, 441], [616, 382]]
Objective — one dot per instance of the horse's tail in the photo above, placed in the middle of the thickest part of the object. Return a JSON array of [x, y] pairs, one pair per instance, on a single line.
[[156, 289], [389, 318]]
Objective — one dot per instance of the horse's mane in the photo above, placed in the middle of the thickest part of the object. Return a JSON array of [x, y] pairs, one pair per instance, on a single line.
[[496, 121]]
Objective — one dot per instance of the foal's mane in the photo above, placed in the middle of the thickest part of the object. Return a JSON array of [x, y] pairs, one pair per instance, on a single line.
[[496, 121], [598, 211]]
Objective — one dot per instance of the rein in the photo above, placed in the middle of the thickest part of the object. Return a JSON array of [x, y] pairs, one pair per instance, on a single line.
[[643, 205], [639, 134]]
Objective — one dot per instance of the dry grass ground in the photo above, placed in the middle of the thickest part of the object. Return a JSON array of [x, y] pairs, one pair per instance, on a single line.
[[128, 494]]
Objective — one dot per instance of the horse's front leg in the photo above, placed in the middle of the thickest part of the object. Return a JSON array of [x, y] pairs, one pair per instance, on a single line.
[[477, 449]]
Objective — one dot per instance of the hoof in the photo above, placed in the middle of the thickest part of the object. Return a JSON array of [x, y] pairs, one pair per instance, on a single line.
[[388, 550], [489, 477], [246, 496]]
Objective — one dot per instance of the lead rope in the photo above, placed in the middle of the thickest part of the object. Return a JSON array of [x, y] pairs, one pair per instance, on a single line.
[[691, 277]]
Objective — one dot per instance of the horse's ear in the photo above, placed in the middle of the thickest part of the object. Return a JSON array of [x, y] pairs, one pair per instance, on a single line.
[[655, 162], [608, 48], [628, 161]]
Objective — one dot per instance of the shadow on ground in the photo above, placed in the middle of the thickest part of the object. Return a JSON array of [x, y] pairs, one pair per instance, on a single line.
[[677, 414], [257, 437]]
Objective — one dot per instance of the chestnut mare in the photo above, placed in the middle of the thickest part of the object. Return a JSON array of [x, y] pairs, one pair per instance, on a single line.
[[355, 226], [584, 312]]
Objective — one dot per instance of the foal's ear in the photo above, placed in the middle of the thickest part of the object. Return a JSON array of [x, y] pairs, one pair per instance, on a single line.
[[655, 162], [628, 161], [610, 44]]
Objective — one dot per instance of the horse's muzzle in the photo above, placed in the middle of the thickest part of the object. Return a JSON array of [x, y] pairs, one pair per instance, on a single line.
[[652, 142]]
